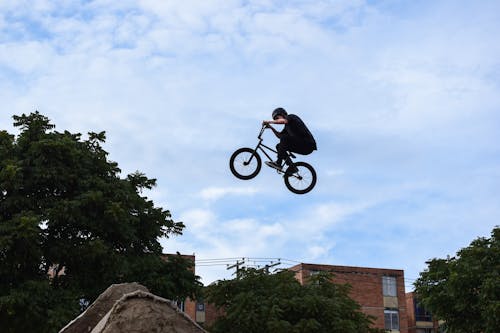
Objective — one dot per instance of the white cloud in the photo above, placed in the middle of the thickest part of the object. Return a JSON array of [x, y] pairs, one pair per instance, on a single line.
[[31, 57], [317, 220], [316, 252], [242, 228], [403, 102], [216, 193], [198, 219], [335, 172]]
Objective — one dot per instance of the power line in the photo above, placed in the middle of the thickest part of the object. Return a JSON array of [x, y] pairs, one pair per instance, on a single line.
[[263, 259], [253, 262]]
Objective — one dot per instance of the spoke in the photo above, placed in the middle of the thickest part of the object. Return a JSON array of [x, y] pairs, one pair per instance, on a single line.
[[244, 165], [301, 180]]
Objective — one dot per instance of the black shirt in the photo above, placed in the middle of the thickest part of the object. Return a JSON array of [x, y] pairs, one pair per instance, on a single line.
[[295, 127]]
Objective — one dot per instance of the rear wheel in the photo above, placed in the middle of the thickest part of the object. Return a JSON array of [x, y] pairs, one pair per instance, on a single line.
[[245, 163], [301, 181]]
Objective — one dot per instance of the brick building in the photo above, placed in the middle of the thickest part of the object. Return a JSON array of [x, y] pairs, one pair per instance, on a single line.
[[419, 319], [380, 292], [188, 306]]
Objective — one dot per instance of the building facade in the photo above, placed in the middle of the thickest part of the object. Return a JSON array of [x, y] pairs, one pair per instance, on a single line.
[[380, 292], [419, 319]]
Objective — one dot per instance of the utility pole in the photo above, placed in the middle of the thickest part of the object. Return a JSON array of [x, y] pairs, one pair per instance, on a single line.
[[267, 266], [237, 266]]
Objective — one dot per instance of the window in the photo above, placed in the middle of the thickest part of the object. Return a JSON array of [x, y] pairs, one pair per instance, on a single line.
[[181, 305], [200, 306], [391, 319], [421, 314], [389, 285], [313, 272]]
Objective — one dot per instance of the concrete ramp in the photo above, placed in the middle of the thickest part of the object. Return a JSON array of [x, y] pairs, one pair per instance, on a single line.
[[131, 308]]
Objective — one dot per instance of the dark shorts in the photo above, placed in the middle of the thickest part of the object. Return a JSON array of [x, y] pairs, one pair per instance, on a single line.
[[295, 145]]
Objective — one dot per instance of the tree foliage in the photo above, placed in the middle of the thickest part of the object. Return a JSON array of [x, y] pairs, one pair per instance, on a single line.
[[64, 209], [464, 290], [278, 303]]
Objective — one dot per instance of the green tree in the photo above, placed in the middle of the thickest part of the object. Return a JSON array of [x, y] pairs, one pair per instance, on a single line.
[[464, 290], [64, 209], [278, 303]]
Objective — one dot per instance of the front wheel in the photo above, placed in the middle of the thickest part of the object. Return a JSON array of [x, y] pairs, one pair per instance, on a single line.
[[245, 163], [303, 180]]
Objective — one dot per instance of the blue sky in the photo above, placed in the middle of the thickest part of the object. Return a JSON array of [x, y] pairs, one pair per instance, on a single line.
[[403, 98]]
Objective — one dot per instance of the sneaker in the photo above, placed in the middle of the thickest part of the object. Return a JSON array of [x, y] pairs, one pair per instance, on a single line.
[[274, 165]]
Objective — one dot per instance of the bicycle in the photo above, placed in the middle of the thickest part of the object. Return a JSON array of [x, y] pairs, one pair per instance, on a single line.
[[245, 163]]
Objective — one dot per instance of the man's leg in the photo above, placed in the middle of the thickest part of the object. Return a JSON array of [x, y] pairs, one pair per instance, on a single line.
[[282, 150], [292, 144], [300, 146], [283, 147]]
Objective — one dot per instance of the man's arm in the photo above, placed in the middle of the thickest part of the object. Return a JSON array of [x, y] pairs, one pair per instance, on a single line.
[[280, 121], [278, 134]]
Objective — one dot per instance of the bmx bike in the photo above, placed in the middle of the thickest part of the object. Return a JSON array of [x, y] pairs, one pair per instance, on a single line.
[[245, 163]]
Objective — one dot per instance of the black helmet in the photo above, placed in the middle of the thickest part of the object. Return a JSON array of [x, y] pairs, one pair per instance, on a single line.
[[279, 112]]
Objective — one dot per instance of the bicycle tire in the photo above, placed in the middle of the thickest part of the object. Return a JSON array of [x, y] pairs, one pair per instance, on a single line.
[[302, 181], [245, 159]]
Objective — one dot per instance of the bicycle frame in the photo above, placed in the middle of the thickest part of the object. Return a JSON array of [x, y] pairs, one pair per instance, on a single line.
[[262, 147]]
